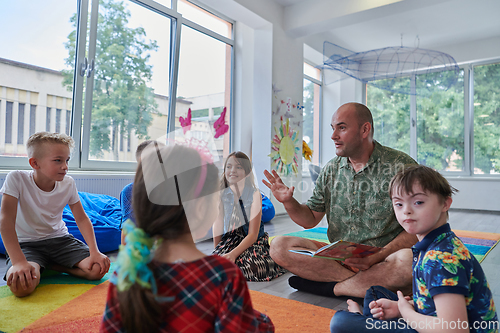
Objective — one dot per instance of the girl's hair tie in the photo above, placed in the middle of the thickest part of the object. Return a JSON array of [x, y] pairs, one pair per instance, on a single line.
[[133, 259]]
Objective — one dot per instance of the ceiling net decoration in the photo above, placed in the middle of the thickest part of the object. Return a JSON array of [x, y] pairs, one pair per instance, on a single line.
[[385, 67]]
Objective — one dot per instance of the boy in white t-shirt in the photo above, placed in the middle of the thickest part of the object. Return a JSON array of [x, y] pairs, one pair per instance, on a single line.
[[31, 225]]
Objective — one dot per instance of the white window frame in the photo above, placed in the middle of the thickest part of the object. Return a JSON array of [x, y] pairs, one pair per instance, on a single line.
[[320, 111]]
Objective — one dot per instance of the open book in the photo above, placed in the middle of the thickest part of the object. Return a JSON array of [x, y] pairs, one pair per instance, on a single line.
[[341, 250]]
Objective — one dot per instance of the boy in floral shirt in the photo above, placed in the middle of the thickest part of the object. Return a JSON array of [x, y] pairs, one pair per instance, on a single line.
[[450, 291]]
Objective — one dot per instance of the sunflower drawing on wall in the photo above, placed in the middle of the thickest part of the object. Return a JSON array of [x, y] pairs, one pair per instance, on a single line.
[[285, 149]]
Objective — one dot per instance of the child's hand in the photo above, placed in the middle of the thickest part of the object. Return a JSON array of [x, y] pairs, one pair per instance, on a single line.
[[230, 256], [404, 305], [25, 273], [361, 263], [384, 309], [100, 259]]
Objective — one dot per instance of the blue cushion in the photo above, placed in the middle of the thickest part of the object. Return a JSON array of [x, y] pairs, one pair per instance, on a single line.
[[105, 214], [126, 203], [267, 209]]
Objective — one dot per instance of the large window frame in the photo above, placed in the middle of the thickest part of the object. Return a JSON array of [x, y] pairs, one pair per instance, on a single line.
[[317, 121], [87, 18], [468, 120]]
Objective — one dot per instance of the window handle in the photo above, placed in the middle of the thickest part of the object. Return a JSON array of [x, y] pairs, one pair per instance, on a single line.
[[83, 66], [90, 68]]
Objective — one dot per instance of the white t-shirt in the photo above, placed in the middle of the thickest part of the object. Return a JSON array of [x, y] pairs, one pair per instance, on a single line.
[[39, 213]]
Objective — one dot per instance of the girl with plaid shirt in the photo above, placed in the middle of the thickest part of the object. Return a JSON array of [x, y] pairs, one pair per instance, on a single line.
[[162, 282]]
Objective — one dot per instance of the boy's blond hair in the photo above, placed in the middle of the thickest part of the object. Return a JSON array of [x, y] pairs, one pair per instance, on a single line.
[[36, 141]]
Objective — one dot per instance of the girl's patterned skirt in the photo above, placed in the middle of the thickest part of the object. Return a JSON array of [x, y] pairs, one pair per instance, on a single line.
[[255, 262]]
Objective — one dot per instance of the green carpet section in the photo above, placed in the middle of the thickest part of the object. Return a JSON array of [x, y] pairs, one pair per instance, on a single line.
[[54, 290], [16, 313]]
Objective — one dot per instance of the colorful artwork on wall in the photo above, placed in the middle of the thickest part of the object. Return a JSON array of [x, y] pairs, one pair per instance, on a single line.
[[285, 149]]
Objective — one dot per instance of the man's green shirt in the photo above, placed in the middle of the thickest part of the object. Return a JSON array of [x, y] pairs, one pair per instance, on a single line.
[[357, 204]]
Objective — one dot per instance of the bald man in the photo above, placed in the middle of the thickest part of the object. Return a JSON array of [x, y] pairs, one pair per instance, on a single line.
[[352, 191]]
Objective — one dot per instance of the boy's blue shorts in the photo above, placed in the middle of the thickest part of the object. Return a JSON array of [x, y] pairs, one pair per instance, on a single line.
[[66, 251]]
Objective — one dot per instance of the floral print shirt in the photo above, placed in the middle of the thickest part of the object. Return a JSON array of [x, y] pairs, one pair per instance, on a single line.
[[442, 264], [357, 204]]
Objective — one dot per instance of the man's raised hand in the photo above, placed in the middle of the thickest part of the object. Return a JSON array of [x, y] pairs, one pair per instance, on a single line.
[[280, 191]]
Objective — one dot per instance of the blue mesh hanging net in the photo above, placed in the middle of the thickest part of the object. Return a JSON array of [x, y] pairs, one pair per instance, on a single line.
[[387, 67]]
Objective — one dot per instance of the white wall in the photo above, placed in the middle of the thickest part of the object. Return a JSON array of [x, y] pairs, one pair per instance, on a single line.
[[253, 95], [478, 194], [477, 50]]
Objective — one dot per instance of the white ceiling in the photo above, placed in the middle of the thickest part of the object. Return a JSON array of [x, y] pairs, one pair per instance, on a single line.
[[361, 25]]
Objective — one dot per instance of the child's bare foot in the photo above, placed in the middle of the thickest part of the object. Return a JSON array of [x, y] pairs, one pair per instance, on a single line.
[[353, 306]]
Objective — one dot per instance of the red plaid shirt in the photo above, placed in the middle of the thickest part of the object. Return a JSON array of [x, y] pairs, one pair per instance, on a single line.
[[211, 295]]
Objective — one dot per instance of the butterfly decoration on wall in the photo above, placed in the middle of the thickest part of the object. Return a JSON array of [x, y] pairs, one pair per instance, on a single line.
[[186, 122], [275, 90], [277, 111], [220, 125]]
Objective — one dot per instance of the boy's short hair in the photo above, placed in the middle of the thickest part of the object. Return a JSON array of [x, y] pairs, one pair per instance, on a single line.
[[36, 140], [429, 180]]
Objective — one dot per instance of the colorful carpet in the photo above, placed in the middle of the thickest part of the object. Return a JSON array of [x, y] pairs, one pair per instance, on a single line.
[[478, 243], [55, 291], [66, 304]]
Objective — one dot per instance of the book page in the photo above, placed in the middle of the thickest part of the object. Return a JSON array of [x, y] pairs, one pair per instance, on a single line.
[[342, 250]]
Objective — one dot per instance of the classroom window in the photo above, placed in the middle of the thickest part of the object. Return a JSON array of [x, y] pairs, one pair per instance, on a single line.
[[112, 90], [311, 113], [391, 115], [205, 81], [487, 119], [436, 128], [128, 83], [440, 123], [433, 125]]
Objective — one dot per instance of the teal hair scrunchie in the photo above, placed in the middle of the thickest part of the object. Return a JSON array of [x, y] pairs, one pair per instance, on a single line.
[[133, 259]]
